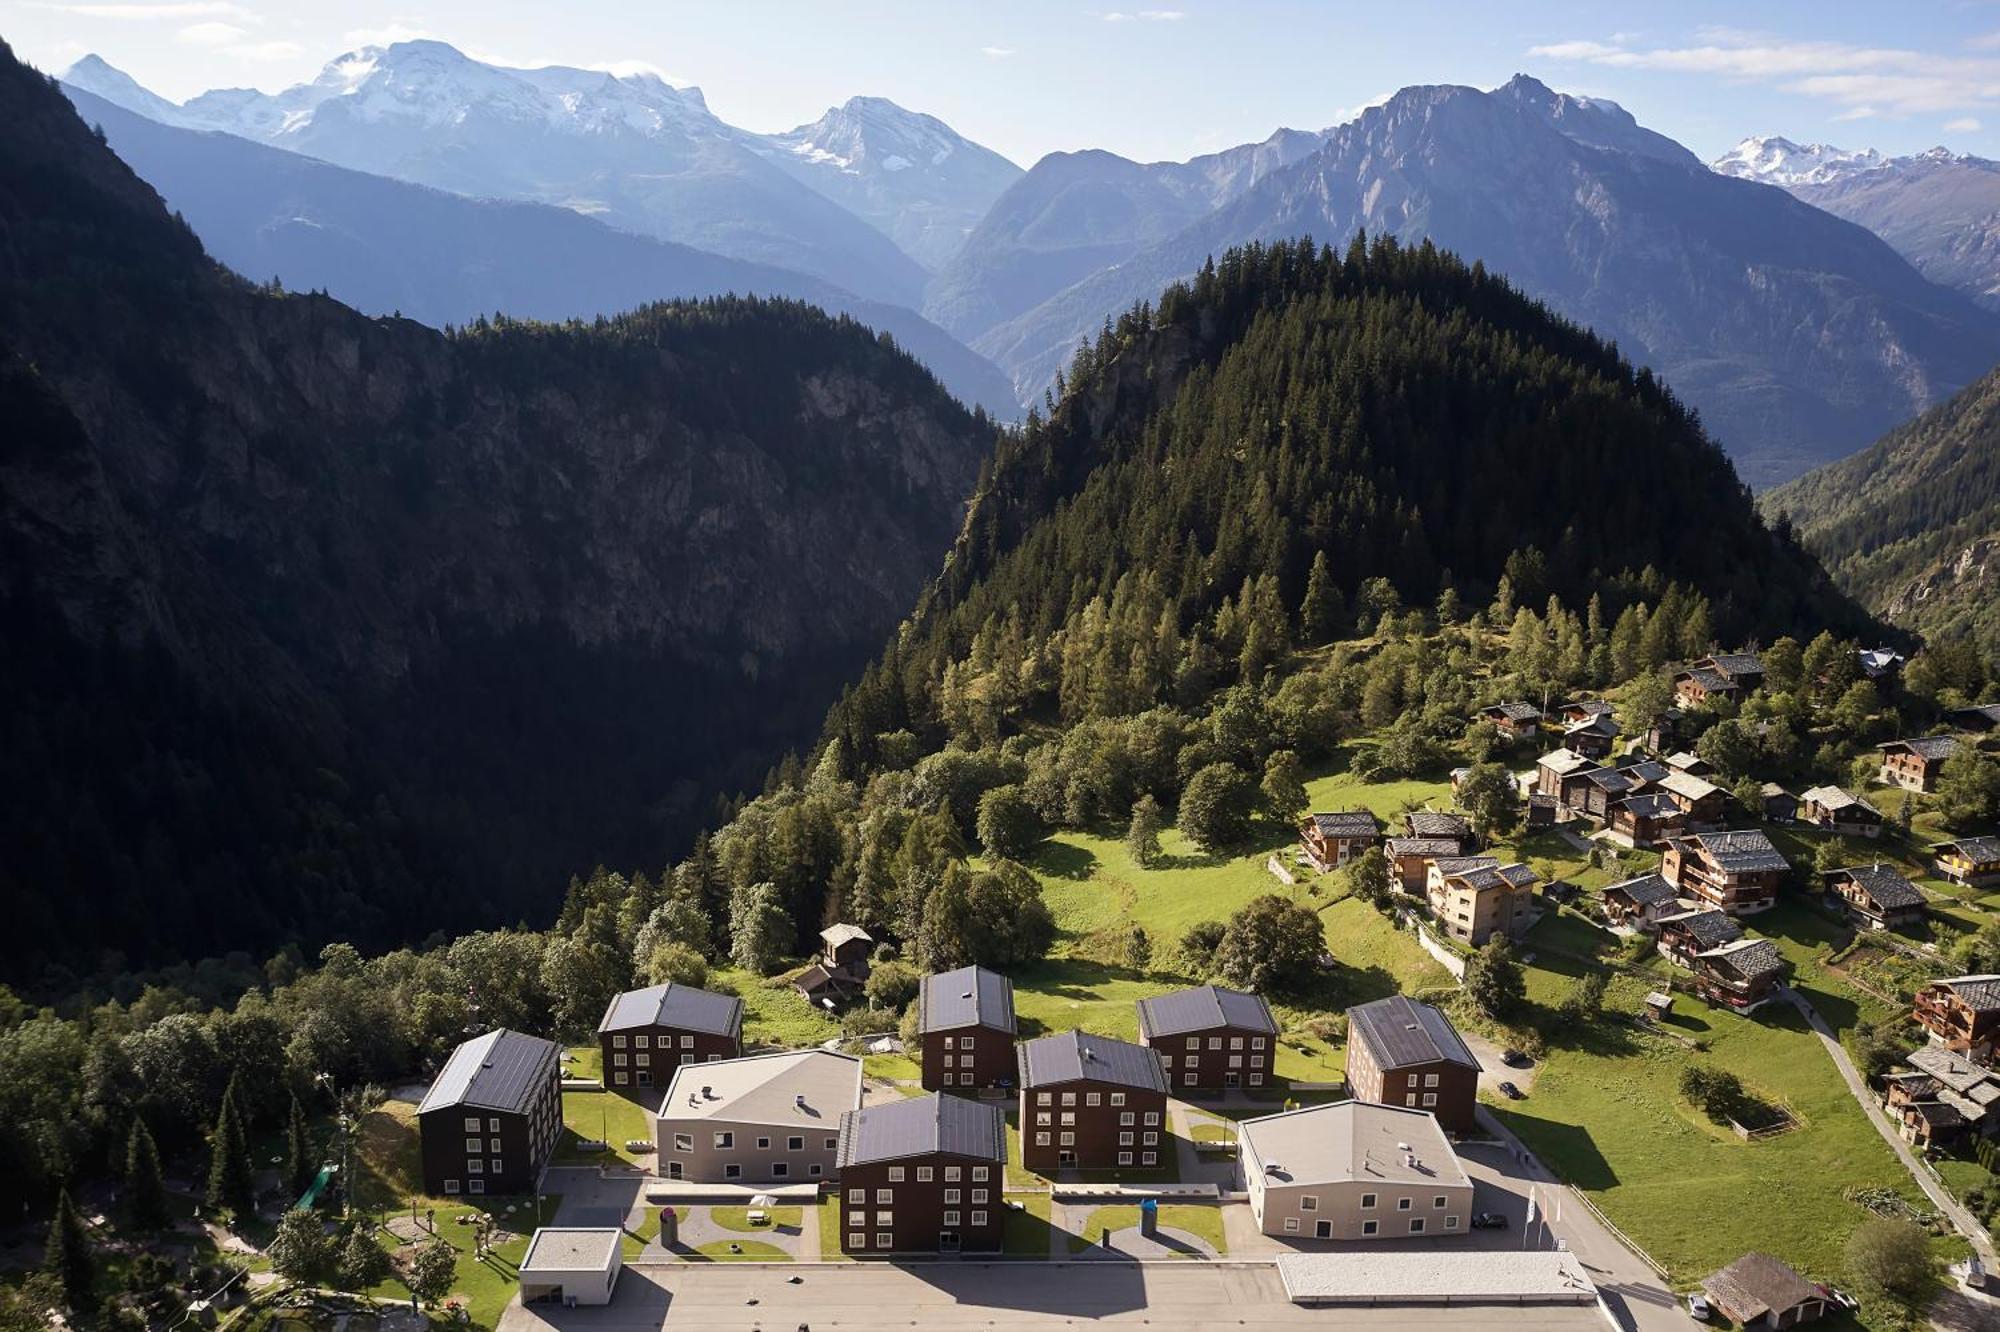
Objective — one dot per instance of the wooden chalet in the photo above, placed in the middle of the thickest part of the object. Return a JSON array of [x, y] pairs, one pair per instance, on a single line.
[[1554, 768], [1683, 934], [1331, 840], [1913, 764], [1880, 663], [1732, 676], [1440, 825], [1979, 718], [1703, 802], [1541, 811], [1741, 974], [1580, 710], [1735, 872], [1647, 820], [1682, 760], [1973, 862], [1514, 720], [1473, 905], [1942, 1098], [1759, 1291], [1639, 903], [1835, 810], [1591, 793], [1410, 859], [1962, 1014], [1876, 897], [1777, 804], [1593, 738], [1664, 734]]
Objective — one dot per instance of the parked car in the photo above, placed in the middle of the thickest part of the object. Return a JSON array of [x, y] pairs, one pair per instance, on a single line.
[[1510, 1091], [1489, 1220], [1699, 1308], [1513, 1058]]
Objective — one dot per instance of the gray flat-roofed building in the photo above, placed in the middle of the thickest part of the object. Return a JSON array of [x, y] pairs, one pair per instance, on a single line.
[[762, 1119], [1353, 1170], [1441, 1277], [571, 1265]]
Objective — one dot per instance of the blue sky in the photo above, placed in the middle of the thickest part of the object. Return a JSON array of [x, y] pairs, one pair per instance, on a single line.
[[1185, 77]]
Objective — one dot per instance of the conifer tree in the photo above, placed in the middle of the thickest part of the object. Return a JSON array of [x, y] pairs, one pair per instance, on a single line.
[[1142, 834], [231, 1178], [145, 1192], [299, 1164], [68, 1257]]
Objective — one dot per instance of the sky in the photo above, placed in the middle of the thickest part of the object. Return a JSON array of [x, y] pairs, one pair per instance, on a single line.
[[1191, 76]]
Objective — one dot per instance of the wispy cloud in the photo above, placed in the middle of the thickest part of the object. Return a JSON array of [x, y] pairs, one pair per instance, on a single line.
[[1856, 113], [1962, 125], [212, 33], [1143, 15], [996, 52], [175, 9], [1343, 114], [395, 30], [1867, 80], [625, 69], [261, 52]]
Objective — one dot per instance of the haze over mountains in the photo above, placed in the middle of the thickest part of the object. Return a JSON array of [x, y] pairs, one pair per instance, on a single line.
[[1798, 336]]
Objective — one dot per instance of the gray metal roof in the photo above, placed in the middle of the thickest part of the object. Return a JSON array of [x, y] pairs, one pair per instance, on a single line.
[[1204, 1007], [1401, 1032], [922, 1126], [498, 1071], [1073, 1056], [1883, 886], [679, 1006], [967, 997]]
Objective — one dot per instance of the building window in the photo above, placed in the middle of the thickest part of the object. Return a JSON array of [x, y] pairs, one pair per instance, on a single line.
[[857, 1195], [895, 1174], [1152, 1119], [1151, 1139], [857, 1240], [732, 1171], [979, 1218], [724, 1141], [795, 1144], [1367, 1200], [475, 1167], [883, 1239], [1451, 1223], [687, 1043], [471, 1145], [1166, 1061], [472, 1123], [1187, 1079], [1416, 1225], [641, 1042], [1124, 1158], [1370, 1227], [951, 1218], [1236, 1042], [1094, 1098], [1117, 1098], [617, 1042], [885, 1218], [1041, 1140], [1430, 1099], [965, 1042], [1043, 1117], [924, 1174], [1124, 1140], [832, 1143], [763, 1144], [884, 1196], [780, 1169], [950, 1042], [1256, 1042], [1430, 1079], [1256, 1079], [813, 1170], [683, 1142], [1044, 1098], [979, 1174], [1215, 1042], [476, 1186], [1309, 1203], [978, 1196], [1149, 1158], [951, 1197], [1402, 1204], [1292, 1224], [1127, 1118], [451, 1186], [1194, 1042], [618, 1058], [1069, 1098], [952, 1173], [1068, 1140]]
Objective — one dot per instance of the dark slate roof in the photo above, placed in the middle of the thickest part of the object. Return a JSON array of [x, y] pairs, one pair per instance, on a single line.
[[1712, 681], [1651, 805], [1515, 711], [1590, 707], [1979, 993], [1495, 876], [1734, 664], [922, 1126], [1420, 846], [1435, 823], [1641, 769], [498, 1071], [1749, 958], [1930, 747], [1757, 1283], [1743, 852], [1883, 886], [1979, 850], [1073, 1056], [1202, 1008], [1709, 928], [1402, 1032], [1345, 823], [1610, 780], [1602, 724], [1447, 866], [1646, 890], [1989, 712], [680, 1006], [967, 997]]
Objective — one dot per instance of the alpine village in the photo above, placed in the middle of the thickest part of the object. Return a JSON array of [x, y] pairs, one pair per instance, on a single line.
[[1343, 811]]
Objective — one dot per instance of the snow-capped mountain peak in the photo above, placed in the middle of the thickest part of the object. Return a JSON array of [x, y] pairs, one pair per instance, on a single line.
[[94, 74], [1776, 160]]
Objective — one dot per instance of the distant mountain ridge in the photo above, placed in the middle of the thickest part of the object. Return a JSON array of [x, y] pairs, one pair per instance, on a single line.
[[387, 246], [1939, 209], [1798, 336]]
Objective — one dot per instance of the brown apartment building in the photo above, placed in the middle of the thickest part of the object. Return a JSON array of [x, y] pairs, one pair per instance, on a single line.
[[965, 1020], [646, 1034], [1411, 858], [1091, 1103], [1210, 1038], [1331, 840], [1735, 872], [1473, 905], [1404, 1053], [922, 1175], [1962, 1014], [1914, 764], [492, 1116]]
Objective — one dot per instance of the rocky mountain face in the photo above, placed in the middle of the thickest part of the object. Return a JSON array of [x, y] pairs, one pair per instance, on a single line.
[[1939, 209], [632, 151], [909, 175], [386, 246], [319, 621], [1911, 525], [1075, 214], [1798, 336]]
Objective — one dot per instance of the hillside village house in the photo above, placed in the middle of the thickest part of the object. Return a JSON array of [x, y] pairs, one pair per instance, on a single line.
[[1684, 934], [1593, 792], [1732, 676], [761, 1119], [1914, 764], [1759, 1291], [1514, 720], [492, 1115], [1962, 1014], [1405, 1053], [1645, 771], [1701, 801], [1778, 804], [1554, 768], [1973, 862], [1439, 825], [1736, 872], [1646, 821], [1593, 738], [966, 1029], [840, 968], [1835, 810], [1473, 905], [1664, 733], [1876, 897], [922, 1175], [1353, 1171], [1639, 903], [1541, 811], [1978, 718], [1209, 1037], [646, 1034], [1331, 840], [1577, 711], [1741, 974], [1444, 867], [1942, 1097], [1410, 859], [1682, 760], [1089, 1102], [1880, 663]]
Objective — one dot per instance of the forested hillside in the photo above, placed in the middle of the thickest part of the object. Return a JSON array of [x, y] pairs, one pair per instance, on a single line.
[[1911, 525], [325, 625]]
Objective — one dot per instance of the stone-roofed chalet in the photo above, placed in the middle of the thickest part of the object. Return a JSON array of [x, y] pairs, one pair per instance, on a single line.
[[1737, 872], [1913, 764], [1962, 1014], [1876, 896], [1332, 839]]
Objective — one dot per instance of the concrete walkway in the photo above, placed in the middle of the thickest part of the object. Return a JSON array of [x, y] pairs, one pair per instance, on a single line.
[[1966, 1224]]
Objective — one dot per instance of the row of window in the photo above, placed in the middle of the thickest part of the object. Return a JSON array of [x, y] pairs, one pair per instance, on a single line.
[[952, 1079], [1215, 1042], [886, 1239], [1125, 1118], [1375, 1227], [952, 1174], [726, 1141], [642, 1042], [964, 1061], [1069, 1098], [1194, 1061], [858, 1197], [618, 1058], [1192, 1078], [958, 1042]]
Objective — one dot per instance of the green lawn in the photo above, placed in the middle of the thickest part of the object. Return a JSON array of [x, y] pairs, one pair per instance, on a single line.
[[585, 1061], [1200, 1221], [829, 1230], [892, 1068], [740, 1251], [603, 1116], [774, 1014], [738, 1218], [1386, 800]]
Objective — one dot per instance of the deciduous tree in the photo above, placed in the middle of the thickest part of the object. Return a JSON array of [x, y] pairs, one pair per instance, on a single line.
[[1270, 945]]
